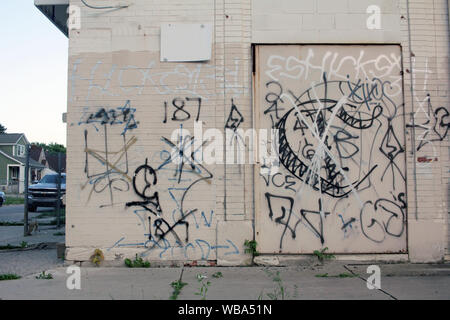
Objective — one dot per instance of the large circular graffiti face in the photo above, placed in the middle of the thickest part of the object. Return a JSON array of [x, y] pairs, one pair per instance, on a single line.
[[319, 138]]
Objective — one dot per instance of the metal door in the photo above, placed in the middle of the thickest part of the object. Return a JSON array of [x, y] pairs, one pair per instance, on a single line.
[[340, 181]]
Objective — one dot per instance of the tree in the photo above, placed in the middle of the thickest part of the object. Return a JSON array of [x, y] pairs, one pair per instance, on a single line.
[[2, 129], [52, 147]]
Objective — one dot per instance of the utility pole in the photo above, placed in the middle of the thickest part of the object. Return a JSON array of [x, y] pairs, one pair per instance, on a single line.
[[25, 207]]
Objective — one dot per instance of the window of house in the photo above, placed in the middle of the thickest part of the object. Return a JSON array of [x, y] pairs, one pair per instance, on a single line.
[[20, 150]]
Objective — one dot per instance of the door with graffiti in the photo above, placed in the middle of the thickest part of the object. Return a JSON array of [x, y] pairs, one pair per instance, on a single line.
[[337, 117]]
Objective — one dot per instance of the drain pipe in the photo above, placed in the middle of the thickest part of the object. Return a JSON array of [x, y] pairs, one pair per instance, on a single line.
[[413, 131]]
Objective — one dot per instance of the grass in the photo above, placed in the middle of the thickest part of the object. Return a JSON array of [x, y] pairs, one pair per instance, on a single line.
[[177, 286], [340, 275], [138, 262], [54, 222], [321, 275], [23, 245], [10, 224], [9, 276], [52, 214], [13, 200], [46, 214], [347, 275], [44, 276], [8, 246]]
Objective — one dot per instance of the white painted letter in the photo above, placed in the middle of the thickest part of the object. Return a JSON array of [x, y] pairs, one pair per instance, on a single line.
[[74, 280]]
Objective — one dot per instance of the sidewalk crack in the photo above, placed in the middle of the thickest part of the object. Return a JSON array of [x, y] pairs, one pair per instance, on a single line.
[[365, 280]]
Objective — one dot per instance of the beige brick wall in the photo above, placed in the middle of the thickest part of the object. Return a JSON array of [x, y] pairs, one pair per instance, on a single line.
[[114, 58]]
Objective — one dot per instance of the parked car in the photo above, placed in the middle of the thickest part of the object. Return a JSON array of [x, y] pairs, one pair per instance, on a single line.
[[45, 192], [2, 198]]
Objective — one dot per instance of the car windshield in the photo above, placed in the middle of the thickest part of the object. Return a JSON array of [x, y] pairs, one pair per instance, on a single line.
[[53, 178]]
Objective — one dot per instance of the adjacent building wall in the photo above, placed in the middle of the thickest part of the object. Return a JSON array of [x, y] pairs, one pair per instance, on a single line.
[[125, 197]]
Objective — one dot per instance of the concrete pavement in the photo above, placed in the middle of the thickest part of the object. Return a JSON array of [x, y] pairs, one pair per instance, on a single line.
[[14, 213], [239, 283], [307, 280], [13, 235]]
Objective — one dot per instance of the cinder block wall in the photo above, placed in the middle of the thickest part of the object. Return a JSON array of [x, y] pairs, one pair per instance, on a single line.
[[122, 110], [115, 68]]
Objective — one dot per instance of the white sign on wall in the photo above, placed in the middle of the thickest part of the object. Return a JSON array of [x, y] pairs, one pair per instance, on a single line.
[[186, 42]]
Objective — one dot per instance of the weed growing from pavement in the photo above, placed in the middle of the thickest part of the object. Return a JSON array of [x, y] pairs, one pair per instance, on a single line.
[[177, 286], [322, 255], [138, 262], [340, 275], [24, 244], [9, 276], [250, 247], [279, 292], [346, 275], [204, 285], [322, 275], [44, 276], [217, 275]]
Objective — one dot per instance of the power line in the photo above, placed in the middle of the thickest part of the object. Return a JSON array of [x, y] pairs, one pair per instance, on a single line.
[[109, 7]]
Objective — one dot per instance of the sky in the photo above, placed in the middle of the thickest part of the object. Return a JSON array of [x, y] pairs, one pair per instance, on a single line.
[[33, 73]]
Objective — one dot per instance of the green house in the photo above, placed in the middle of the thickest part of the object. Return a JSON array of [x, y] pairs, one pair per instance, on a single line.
[[12, 162]]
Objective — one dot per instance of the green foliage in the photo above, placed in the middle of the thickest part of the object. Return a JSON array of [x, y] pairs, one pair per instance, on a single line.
[[177, 286], [341, 275], [14, 200], [322, 255], [59, 234], [204, 285], [52, 147], [44, 276], [10, 224], [8, 247], [321, 275], [23, 245], [279, 292], [9, 276], [347, 275], [218, 275], [138, 262], [2, 129], [250, 247]]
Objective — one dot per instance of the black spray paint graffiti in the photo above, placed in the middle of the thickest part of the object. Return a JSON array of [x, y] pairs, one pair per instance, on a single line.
[[161, 227], [333, 183], [114, 164], [384, 217], [282, 208], [120, 116], [235, 118], [437, 123], [181, 113], [331, 137]]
